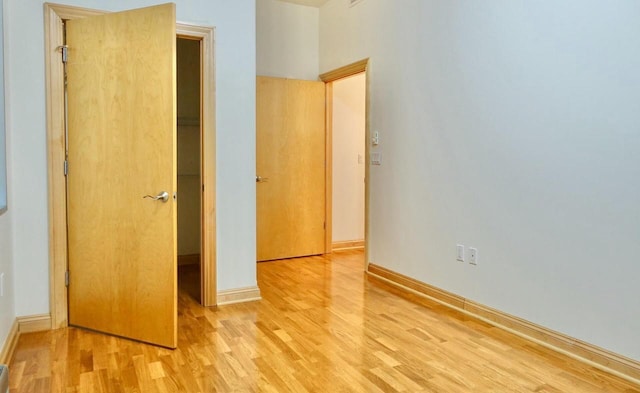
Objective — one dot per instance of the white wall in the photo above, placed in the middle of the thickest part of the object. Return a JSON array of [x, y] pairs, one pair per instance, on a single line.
[[511, 127], [348, 158], [287, 40], [3, 161], [7, 310], [235, 117], [7, 300]]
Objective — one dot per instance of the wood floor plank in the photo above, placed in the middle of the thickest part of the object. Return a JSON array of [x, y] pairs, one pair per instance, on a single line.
[[322, 326]]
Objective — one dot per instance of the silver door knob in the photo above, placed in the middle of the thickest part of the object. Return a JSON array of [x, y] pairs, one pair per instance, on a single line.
[[260, 179], [163, 196]]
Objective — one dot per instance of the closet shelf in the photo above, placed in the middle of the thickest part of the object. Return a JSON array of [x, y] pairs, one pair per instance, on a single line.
[[188, 121]]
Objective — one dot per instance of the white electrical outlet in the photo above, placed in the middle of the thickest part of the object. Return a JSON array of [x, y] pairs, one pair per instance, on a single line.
[[460, 252], [473, 256]]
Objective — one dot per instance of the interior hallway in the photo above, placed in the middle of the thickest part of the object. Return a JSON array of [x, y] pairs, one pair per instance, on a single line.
[[322, 326]]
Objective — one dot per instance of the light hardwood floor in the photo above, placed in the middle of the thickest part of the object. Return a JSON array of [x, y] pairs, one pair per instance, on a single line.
[[322, 326]]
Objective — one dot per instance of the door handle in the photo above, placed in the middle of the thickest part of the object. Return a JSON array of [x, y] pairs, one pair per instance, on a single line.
[[163, 196], [260, 179]]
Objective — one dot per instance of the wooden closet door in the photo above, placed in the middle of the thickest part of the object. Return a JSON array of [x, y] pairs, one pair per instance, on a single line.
[[122, 147]]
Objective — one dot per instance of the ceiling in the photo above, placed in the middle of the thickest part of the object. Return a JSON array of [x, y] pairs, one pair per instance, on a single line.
[[311, 3]]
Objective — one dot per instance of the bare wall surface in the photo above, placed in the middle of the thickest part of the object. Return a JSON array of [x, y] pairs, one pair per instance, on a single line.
[[511, 127], [7, 300], [235, 125], [7, 310], [287, 40]]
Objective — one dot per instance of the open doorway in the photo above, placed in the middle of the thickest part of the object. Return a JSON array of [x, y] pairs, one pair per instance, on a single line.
[[348, 108], [189, 151], [359, 88]]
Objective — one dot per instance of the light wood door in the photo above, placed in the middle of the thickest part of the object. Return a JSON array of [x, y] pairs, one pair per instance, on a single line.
[[290, 158], [122, 146]]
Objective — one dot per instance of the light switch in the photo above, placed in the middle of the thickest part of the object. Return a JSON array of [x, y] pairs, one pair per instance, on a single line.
[[375, 158], [460, 252]]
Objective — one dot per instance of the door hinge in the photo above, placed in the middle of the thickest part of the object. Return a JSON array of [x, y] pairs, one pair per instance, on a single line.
[[66, 167], [66, 278], [64, 49]]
